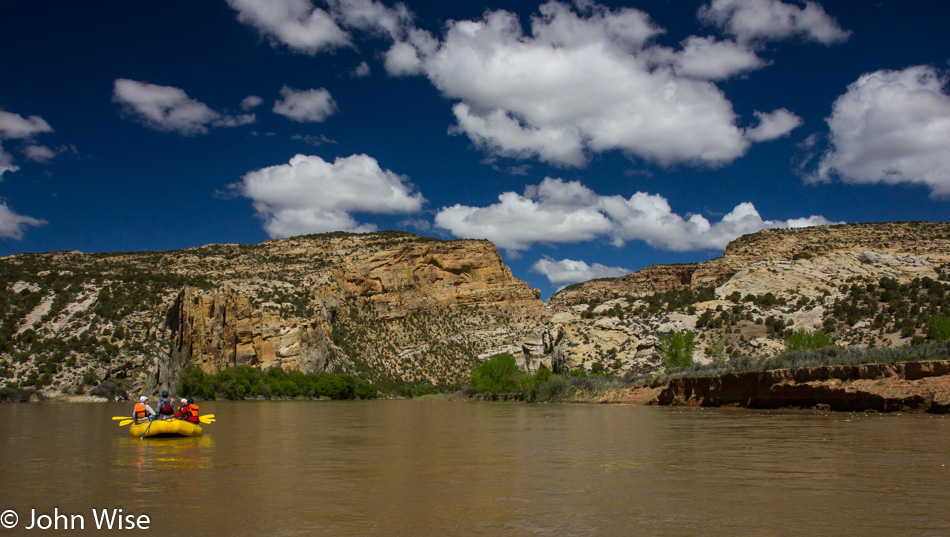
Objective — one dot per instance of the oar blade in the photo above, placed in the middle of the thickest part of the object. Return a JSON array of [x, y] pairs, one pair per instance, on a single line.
[[125, 422], [121, 418]]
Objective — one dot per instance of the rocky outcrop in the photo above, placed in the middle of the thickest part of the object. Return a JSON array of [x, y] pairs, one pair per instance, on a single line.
[[910, 386], [369, 285], [221, 329], [421, 274], [908, 240]]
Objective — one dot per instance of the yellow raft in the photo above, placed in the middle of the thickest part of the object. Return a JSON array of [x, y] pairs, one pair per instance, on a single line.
[[172, 427]]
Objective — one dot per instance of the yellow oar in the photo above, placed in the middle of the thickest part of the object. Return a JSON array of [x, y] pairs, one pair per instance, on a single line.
[[121, 418], [203, 419]]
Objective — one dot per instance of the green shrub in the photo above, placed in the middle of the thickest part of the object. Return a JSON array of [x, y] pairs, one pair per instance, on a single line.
[[543, 375], [193, 382], [938, 329], [677, 349], [551, 388], [90, 378], [15, 395], [803, 340], [717, 352], [499, 374], [244, 382]]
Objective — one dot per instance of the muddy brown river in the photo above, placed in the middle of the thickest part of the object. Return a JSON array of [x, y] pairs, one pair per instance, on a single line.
[[445, 468]]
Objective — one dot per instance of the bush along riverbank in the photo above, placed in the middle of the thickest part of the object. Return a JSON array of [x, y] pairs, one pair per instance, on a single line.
[[907, 378], [244, 382]]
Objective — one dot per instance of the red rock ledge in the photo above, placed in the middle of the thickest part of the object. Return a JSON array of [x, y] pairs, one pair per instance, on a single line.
[[907, 386]]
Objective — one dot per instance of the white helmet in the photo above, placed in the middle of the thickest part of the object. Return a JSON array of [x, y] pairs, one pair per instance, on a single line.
[[143, 399], [184, 401]]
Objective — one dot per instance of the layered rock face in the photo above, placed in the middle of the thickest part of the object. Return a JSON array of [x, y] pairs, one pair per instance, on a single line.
[[427, 274], [387, 306], [764, 284], [903, 239], [220, 329], [368, 284]]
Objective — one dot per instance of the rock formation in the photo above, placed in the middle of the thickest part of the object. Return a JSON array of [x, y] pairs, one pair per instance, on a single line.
[[930, 241], [399, 309], [388, 306], [921, 386]]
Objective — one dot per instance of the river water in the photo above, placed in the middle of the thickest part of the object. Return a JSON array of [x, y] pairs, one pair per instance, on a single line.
[[447, 468]]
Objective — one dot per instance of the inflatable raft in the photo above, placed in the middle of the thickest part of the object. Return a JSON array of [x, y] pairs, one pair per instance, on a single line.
[[172, 427]]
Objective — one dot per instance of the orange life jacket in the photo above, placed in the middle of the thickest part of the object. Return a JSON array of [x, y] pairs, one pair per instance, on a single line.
[[140, 411], [192, 412]]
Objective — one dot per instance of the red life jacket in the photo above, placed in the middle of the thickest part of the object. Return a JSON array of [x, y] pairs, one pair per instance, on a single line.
[[166, 409], [140, 411]]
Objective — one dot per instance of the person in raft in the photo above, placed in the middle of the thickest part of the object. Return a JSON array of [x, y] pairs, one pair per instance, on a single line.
[[189, 412], [142, 411], [165, 408]]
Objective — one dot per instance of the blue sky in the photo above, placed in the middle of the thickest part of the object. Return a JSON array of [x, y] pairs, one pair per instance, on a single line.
[[585, 139]]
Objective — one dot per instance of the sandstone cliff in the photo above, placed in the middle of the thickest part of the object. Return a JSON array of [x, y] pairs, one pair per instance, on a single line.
[[400, 309], [765, 284], [927, 240], [391, 307]]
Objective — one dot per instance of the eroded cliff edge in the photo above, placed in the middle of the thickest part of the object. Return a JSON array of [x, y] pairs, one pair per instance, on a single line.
[[909, 386]]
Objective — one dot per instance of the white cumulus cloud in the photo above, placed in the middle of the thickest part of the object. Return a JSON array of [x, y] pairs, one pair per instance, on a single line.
[[296, 23], [372, 16], [6, 163], [566, 271], [552, 212], [304, 27], [773, 20], [13, 225], [773, 125], [310, 195], [170, 109], [251, 102], [39, 153], [360, 71], [16, 127], [892, 127], [585, 80], [402, 59], [312, 105], [710, 59], [568, 212], [649, 218]]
